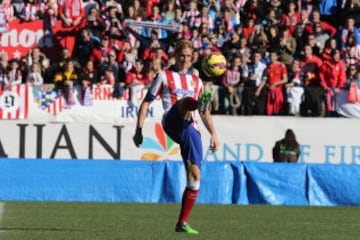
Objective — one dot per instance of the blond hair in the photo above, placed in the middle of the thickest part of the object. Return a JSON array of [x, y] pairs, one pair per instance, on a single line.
[[183, 44]]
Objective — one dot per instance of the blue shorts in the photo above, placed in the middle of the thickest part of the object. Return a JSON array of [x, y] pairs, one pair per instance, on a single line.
[[185, 134]]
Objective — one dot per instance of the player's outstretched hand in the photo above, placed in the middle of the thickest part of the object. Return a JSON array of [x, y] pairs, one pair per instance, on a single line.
[[138, 137], [214, 143]]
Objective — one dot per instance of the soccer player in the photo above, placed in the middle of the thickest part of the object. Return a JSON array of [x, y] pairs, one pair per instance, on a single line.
[[182, 92]]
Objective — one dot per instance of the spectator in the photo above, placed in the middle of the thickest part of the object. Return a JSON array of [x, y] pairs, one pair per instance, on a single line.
[[352, 51], [233, 87], [220, 36], [112, 17], [108, 77], [313, 92], [329, 11], [271, 20], [287, 47], [254, 94], [34, 77], [150, 7], [71, 12], [94, 23], [66, 80], [84, 46], [89, 77], [136, 80], [179, 19], [110, 69], [273, 38], [287, 150], [351, 9], [294, 89], [169, 12], [350, 28], [316, 19], [321, 37], [311, 41], [14, 75], [196, 38], [46, 71], [30, 11], [139, 10], [50, 14], [353, 84], [3, 69], [277, 7], [89, 4], [276, 78], [248, 27], [332, 79], [101, 52], [155, 17], [353, 76], [128, 56], [258, 38], [291, 17], [3, 21], [231, 46], [308, 5], [253, 9], [9, 10], [58, 66], [231, 19], [115, 4], [299, 32], [330, 45], [190, 14], [206, 18], [90, 74], [35, 56]]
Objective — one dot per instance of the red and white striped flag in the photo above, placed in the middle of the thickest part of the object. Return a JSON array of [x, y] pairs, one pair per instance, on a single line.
[[14, 102]]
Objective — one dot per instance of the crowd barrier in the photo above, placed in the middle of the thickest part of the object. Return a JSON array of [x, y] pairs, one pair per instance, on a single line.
[[163, 182]]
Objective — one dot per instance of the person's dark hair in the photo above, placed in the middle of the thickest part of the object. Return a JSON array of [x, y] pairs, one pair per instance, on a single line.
[[290, 139]]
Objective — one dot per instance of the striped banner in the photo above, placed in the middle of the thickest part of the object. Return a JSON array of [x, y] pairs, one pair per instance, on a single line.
[[146, 24], [14, 102]]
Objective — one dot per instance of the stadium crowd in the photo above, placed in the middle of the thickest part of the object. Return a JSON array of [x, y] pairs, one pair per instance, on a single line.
[[284, 57]]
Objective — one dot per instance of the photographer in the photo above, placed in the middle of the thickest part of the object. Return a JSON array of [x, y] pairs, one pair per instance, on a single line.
[[287, 150]]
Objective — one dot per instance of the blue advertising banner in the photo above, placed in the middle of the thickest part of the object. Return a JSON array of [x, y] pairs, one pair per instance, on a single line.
[[164, 182]]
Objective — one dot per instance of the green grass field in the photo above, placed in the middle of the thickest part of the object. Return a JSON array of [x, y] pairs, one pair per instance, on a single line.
[[87, 221]]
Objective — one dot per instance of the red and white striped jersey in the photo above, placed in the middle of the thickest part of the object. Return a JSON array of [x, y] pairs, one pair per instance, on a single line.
[[173, 86]]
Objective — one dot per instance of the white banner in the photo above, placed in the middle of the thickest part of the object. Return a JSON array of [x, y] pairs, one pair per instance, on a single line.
[[322, 140]]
